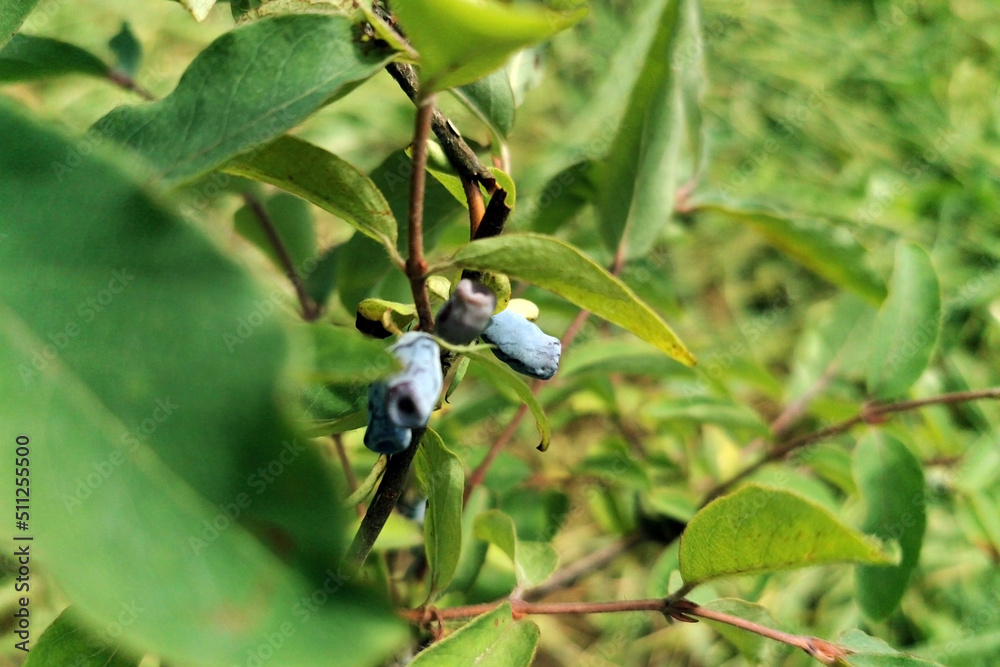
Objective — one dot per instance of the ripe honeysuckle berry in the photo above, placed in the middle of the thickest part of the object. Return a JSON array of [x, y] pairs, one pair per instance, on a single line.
[[382, 435], [465, 315], [522, 345], [412, 393]]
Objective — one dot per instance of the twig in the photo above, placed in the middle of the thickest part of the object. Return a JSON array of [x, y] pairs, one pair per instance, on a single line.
[[388, 492], [123, 80], [459, 154], [416, 265], [310, 311], [352, 480], [474, 197], [569, 575], [681, 610], [870, 414]]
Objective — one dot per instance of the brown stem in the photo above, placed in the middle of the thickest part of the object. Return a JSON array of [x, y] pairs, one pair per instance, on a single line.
[[474, 197], [352, 480], [123, 80], [870, 414], [681, 610], [384, 501], [310, 311], [459, 154], [416, 265], [578, 569]]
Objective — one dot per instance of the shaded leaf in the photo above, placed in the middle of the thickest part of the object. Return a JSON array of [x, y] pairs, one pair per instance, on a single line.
[[891, 481], [563, 269], [127, 50], [69, 642], [636, 195], [504, 375], [481, 35], [829, 251], [26, 58], [342, 355], [102, 370], [533, 562], [12, 15], [758, 530], [473, 549], [491, 640], [292, 219], [324, 179], [907, 326], [248, 87], [492, 99], [442, 481]]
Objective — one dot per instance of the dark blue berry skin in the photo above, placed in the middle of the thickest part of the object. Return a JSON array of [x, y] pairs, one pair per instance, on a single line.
[[522, 345], [382, 435]]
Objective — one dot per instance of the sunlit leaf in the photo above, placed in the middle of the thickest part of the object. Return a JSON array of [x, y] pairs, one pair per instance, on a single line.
[[533, 561], [757, 529], [561, 268], [481, 35], [491, 640], [12, 15]]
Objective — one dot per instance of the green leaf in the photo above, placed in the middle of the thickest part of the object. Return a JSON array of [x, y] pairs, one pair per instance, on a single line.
[[322, 279], [867, 651], [480, 35], [292, 219], [473, 549], [342, 355], [324, 179], [147, 381], [26, 58], [248, 87], [12, 15], [636, 197], [907, 327], [891, 481], [199, 9], [563, 269], [829, 251], [631, 357], [492, 99], [502, 373], [491, 640], [442, 480], [757, 529], [69, 642], [708, 410], [127, 50], [564, 196], [533, 561]]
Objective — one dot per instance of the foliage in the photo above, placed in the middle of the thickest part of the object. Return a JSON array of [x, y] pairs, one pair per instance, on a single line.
[[777, 217]]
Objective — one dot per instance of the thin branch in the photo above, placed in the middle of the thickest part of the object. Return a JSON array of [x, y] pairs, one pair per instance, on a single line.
[[123, 80], [416, 265], [870, 414], [459, 154], [352, 480], [310, 311], [474, 197], [388, 492], [569, 575], [681, 610]]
